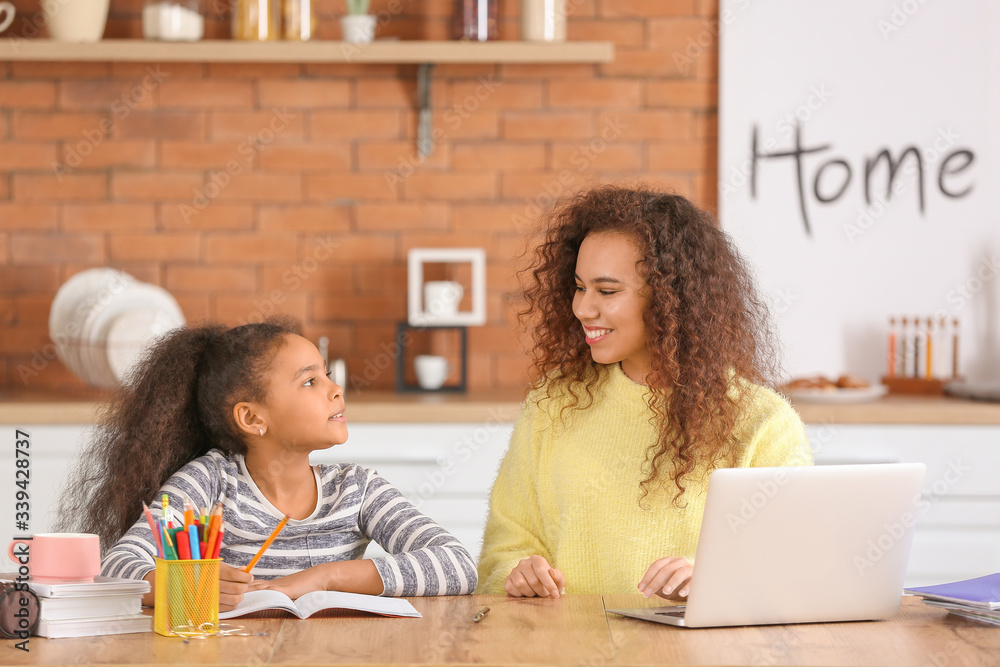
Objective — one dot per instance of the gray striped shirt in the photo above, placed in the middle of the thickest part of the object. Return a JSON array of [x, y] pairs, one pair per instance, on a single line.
[[355, 506]]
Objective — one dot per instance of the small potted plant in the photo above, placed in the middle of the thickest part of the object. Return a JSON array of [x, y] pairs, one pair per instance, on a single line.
[[358, 25]]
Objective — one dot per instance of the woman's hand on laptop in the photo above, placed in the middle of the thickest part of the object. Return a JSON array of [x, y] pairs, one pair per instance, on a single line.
[[534, 577], [668, 577]]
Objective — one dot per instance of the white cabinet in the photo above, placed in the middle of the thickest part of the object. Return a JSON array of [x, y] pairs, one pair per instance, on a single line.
[[447, 470], [958, 517]]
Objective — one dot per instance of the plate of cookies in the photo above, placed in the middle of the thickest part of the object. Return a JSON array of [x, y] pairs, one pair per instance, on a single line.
[[847, 388]]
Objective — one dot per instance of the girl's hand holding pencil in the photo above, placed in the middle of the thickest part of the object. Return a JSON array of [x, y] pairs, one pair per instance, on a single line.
[[233, 583]]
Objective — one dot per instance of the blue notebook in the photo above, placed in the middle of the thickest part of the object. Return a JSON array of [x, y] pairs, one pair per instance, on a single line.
[[981, 592]]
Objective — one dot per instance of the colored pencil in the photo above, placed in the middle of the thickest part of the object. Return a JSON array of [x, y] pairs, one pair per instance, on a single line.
[[218, 542], [168, 544], [153, 529], [192, 532], [183, 546], [212, 529], [165, 511], [266, 544]]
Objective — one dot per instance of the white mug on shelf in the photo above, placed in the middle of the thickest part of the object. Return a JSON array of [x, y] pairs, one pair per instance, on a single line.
[[432, 371], [76, 20], [441, 297], [8, 9]]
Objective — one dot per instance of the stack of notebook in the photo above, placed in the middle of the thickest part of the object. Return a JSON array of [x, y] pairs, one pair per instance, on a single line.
[[107, 606], [978, 599]]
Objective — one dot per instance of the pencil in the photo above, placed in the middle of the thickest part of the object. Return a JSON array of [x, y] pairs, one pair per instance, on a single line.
[[266, 544], [218, 542], [165, 511], [153, 529], [212, 529]]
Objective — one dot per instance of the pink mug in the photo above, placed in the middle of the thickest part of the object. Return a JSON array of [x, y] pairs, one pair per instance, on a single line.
[[58, 557]]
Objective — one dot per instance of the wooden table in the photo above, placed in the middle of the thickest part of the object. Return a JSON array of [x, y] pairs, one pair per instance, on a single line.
[[574, 630]]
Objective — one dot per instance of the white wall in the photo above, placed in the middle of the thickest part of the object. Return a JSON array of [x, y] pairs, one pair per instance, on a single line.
[[862, 76]]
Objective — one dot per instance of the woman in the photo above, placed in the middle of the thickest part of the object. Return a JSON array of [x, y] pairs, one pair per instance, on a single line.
[[652, 346]]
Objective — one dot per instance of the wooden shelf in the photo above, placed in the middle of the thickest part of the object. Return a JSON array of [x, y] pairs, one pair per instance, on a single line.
[[388, 51]]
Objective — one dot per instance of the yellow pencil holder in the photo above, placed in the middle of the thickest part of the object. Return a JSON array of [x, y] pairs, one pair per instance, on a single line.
[[186, 597]]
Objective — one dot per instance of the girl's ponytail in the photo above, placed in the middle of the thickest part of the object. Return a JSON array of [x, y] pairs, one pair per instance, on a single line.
[[171, 410]]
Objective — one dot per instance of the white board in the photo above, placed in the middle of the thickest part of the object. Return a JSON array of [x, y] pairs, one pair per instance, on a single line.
[[853, 78]]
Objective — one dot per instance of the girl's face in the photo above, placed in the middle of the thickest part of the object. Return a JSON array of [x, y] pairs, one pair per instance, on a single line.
[[610, 300], [304, 408]]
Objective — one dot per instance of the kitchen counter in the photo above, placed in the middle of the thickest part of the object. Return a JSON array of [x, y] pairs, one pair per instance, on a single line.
[[19, 408]]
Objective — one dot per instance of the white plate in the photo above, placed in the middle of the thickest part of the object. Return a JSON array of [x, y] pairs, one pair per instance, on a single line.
[[131, 334], [839, 395], [135, 295], [69, 311], [102, 302]]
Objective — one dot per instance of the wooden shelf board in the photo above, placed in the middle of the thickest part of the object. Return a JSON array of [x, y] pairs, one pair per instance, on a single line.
[[388, 51]]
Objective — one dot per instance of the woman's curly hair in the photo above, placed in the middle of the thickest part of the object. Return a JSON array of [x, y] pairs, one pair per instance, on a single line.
[[175, 406], [706, 322]]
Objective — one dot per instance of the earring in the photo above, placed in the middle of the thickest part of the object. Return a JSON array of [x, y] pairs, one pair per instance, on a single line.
[[261, 431]]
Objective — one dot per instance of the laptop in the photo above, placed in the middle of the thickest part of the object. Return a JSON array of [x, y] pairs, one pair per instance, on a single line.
[[799, 545]]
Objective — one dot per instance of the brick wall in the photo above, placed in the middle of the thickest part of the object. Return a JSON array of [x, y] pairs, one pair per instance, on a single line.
[[134, 165]]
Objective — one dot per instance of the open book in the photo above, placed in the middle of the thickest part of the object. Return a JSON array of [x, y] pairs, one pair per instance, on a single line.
[[310, 603]]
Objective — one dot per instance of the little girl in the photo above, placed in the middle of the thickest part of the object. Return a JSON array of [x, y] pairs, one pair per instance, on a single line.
[[231, 415]]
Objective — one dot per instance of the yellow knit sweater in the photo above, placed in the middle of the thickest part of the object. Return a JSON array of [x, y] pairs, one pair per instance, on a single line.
[[569, 490]]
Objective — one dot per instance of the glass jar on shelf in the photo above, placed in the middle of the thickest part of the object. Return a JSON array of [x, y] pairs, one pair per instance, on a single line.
[[257, 20], [173, 20], [475, 20], [298, 20], [543, 20]]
